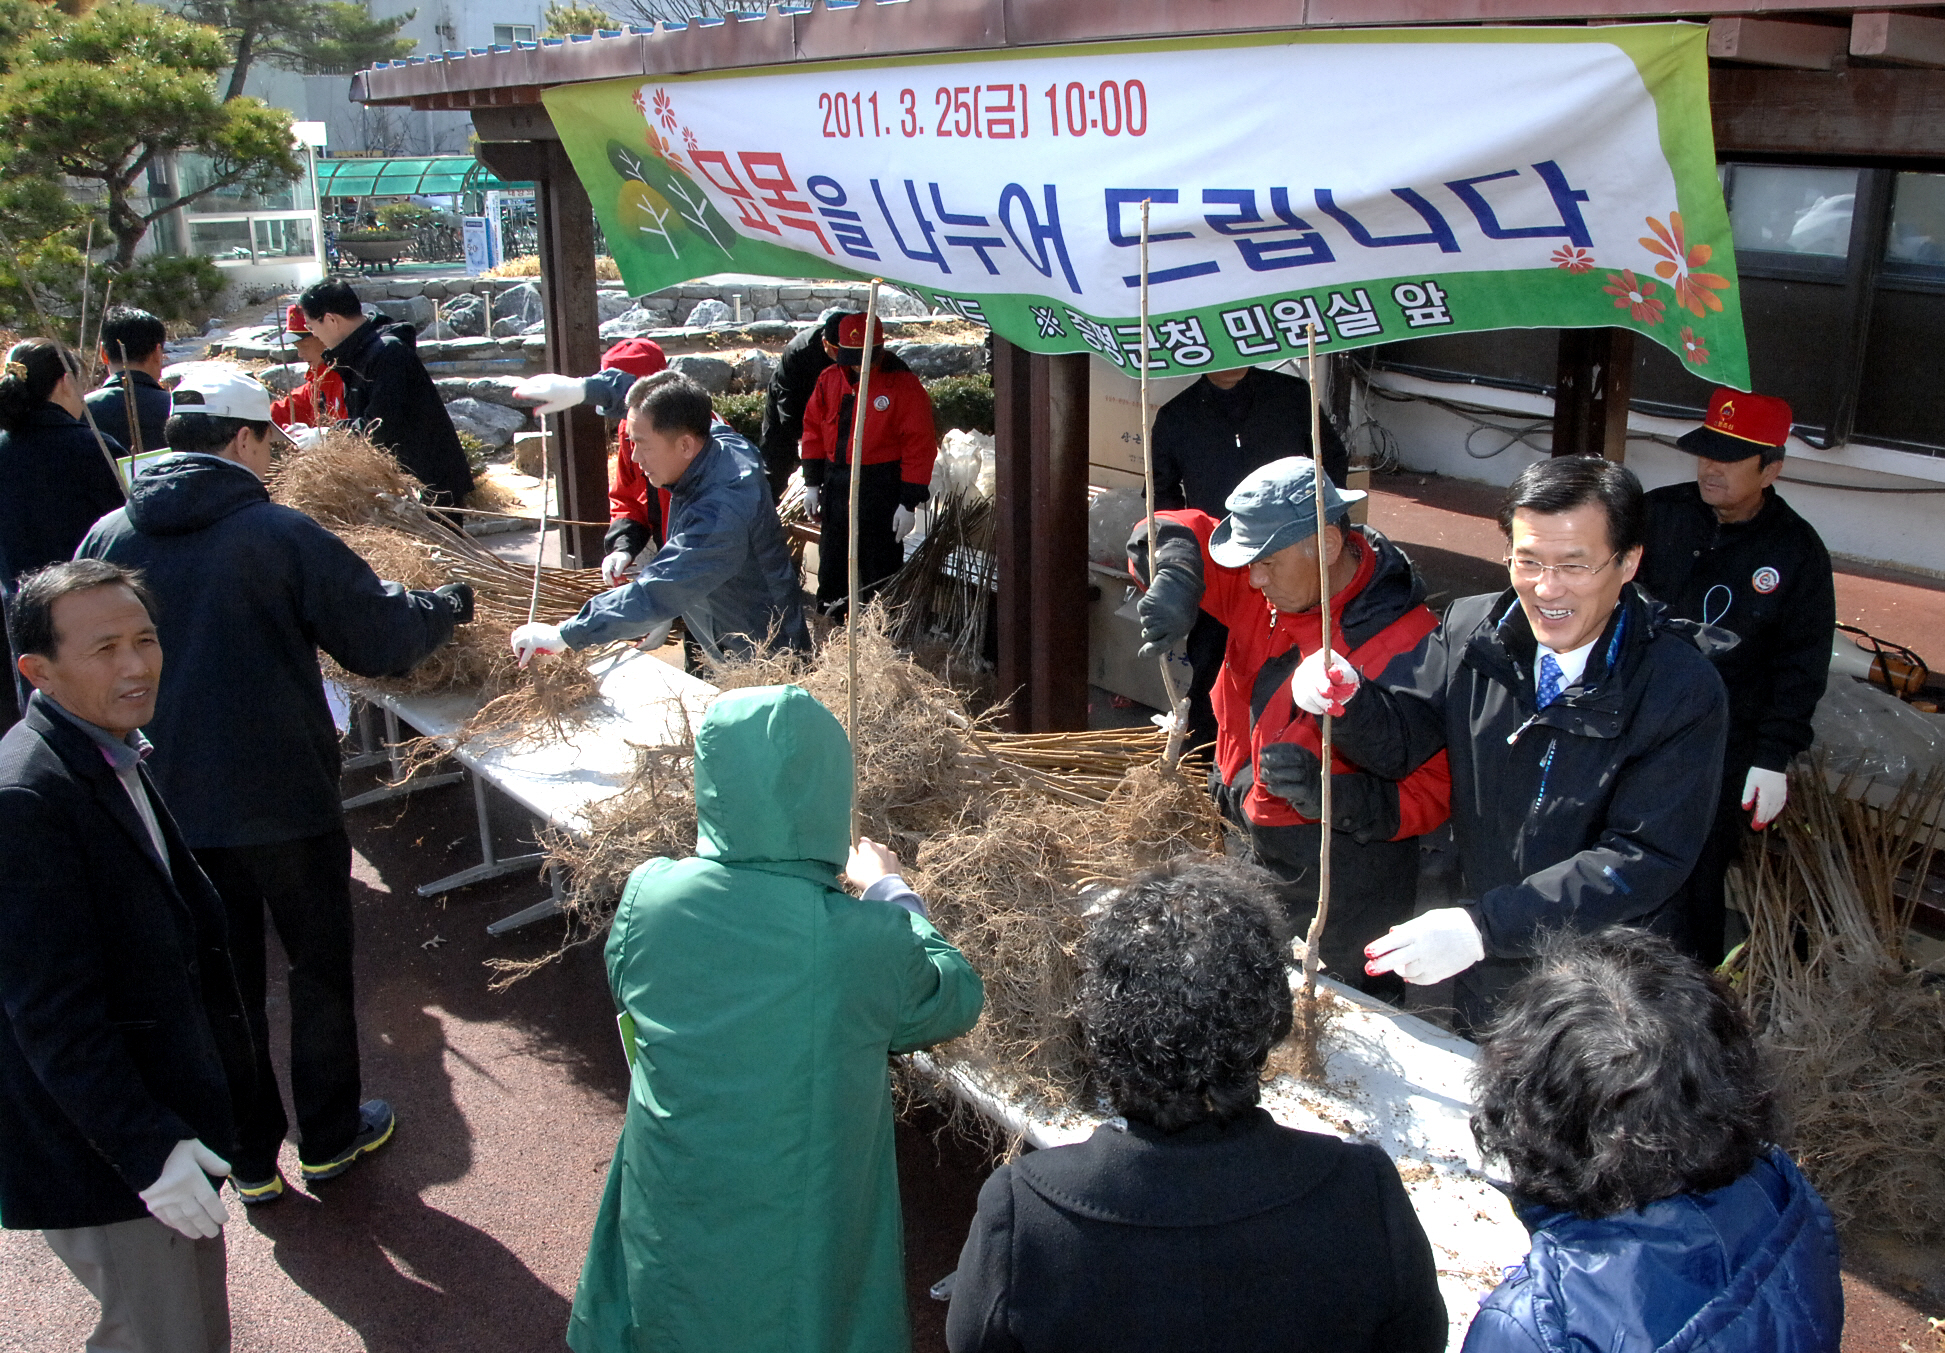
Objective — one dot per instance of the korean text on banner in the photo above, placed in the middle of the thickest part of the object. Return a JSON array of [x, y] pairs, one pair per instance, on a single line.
[[1362, 186]]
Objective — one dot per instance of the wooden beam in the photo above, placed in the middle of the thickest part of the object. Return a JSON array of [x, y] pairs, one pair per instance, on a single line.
[[1057, 638], [1897, 39], [1863, 111], [1590, 397], [1013, 408], [1770, 42], [580, 441]]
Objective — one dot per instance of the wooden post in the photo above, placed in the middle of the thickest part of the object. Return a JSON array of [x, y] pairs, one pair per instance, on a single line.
[[566, 219], [1591, 391]]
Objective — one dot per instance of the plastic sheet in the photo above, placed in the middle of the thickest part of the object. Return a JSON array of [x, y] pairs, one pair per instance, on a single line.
[[1111, 516], [1862, 730]]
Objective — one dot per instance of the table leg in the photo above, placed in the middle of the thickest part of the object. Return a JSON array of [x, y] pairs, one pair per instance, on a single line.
[[491, 866]]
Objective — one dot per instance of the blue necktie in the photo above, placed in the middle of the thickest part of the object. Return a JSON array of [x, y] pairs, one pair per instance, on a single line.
[[1551, 680]]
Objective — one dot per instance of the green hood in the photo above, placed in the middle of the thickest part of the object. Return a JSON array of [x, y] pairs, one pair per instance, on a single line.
[[773, 780]]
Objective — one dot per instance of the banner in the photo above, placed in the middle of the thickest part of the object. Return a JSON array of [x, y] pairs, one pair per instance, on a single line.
[[1363, 186]]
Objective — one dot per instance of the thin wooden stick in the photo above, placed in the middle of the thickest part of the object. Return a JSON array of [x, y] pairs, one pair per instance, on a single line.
[[1178, 701], [853, 605], [540, 541], [1316, 935]]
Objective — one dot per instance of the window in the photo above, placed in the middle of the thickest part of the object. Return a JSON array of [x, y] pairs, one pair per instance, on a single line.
[[1842, 284], [221, 241], [506, 34], [285, 237]]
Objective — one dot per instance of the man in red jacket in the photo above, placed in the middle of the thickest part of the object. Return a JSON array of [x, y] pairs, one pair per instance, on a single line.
[[319, 401], [899, 447], [1256, 572]]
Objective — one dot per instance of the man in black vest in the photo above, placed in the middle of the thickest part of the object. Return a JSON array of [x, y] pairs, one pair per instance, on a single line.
[[121, 1029], [1728, 551]]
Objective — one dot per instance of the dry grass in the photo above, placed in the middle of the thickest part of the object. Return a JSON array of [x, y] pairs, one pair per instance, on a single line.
[[1858, 1038], [1004, 836]]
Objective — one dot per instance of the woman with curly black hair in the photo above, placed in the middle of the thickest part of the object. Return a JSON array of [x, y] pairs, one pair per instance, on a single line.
[[1622, 1086], [1193, 1221]]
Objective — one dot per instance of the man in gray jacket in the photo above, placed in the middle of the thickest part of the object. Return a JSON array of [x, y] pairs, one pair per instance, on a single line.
[[723, 566]]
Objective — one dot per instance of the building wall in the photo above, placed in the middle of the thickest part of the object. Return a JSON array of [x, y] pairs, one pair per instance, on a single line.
[[1897, 528]]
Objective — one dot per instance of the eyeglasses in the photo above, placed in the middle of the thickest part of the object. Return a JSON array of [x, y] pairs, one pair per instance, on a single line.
[[1532, 570]]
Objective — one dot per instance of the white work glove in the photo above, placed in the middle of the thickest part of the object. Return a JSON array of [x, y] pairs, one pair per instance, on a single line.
[[902, 522], [614, 567], [535, 638], [1320, 689], [303, 436], [1765, 791], [181, 1196], [813, 502], [551, 392], [1427, 949]]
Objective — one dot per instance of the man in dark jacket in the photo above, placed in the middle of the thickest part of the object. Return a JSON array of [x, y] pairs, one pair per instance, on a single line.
[[131, 348], [1195, 1221], [1726, 550], [121, 1030], [1207, 440], [249, 592], [1256, 573], [388, 394], [723, 567], [799, 365], [1584, 726]]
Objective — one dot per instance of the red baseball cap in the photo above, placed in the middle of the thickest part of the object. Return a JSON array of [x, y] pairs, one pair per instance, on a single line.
[[294, 321], [850, 338], [637, 356], [1739, 426]]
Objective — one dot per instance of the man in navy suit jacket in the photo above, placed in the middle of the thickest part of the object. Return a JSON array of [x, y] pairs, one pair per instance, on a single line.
[[121, 1028]]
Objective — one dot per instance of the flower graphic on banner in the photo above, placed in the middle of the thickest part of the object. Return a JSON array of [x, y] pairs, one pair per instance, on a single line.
[[1680, 262], [1573, 258], [657, 196], [664, 110], [1694, 351], [1636, 295]]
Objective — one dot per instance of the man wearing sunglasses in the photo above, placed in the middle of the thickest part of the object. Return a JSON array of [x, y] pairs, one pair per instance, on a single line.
[[1585, 730]]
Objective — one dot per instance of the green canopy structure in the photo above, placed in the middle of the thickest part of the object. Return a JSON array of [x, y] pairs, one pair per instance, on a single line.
[[422, 176]]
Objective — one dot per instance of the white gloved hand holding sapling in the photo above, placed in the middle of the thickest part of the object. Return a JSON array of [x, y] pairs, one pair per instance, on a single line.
[[1323, 683], [551, 392], [614, 567], [1442, 943], [534, 638], [1764, 793], [902, 522]]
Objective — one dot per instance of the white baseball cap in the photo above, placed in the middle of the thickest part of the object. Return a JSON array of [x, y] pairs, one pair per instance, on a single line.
[[221, 392]]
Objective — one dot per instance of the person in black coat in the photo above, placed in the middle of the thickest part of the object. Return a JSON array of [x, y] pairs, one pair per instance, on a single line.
[[1194, 1221], [122, 1034], [388, 394], [54, 478], [1207, 441], [131, 347], [249, 592], [1727, 550], [1584, 726], [801, 362]]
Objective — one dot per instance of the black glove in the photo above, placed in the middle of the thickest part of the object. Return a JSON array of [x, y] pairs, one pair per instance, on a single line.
[[1361, 805], [459, 596], [1169, 607]]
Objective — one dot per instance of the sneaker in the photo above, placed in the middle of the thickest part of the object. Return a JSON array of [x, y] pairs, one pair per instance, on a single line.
[[378, 1124], [255, 1193]]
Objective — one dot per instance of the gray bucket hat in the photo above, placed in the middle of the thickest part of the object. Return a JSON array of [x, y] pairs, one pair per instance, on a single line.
[[1273, 508]]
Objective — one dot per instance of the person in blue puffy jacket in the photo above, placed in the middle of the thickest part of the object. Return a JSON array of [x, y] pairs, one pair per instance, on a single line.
[[1623, 1088]]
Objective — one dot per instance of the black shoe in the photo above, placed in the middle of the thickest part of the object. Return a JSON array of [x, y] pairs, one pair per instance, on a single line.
[[378, 1121], [255, 1193]]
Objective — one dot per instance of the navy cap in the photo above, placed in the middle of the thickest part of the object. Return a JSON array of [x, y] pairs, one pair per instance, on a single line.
[[1275, 507]]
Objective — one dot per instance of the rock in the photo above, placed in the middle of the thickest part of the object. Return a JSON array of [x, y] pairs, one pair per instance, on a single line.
[[522, 303], [489, 422], [453, 387], [281, 380], [772, 312], [403, 289], [438, 289], [529, 448], [465, 316], [754, 372], [496, 390], [491, 436], [510, 327], [612, 303], [929, 361], [893, 304], [436, 332], [711, 373], [707, 312], [633, 324], [793, 291], [539, 326]]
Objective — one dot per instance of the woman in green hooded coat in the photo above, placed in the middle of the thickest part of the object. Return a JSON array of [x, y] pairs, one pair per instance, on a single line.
[[753, 1199]]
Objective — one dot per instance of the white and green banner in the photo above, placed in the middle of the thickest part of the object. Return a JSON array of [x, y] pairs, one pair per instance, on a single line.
[[1363, 186]]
